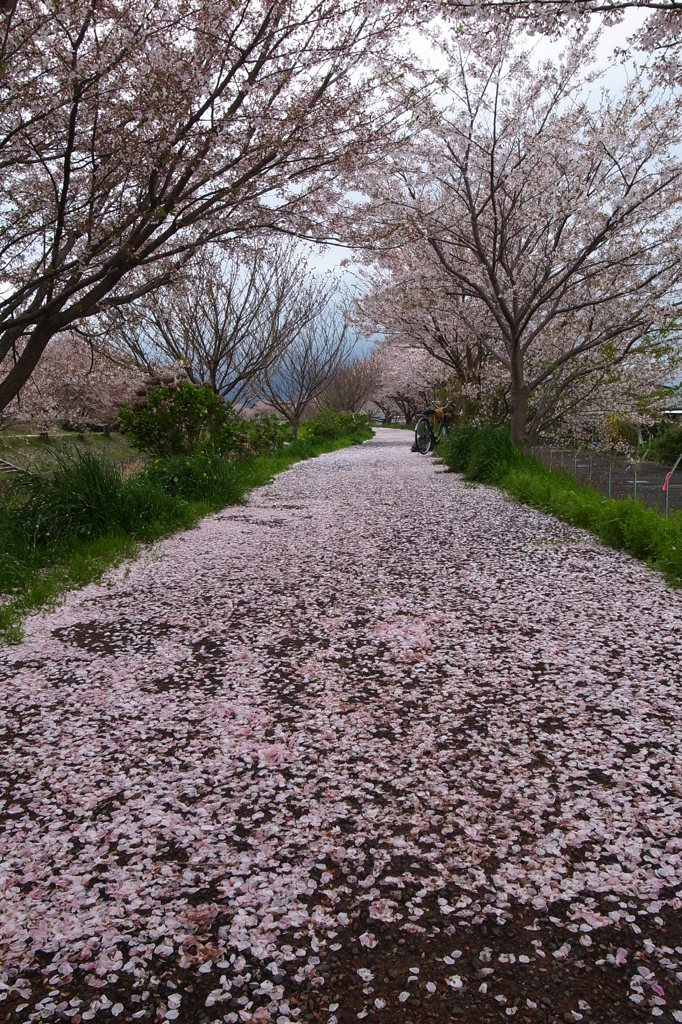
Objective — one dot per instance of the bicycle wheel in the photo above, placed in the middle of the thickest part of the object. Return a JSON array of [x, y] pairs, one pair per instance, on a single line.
[[443, 432], [423, 438]]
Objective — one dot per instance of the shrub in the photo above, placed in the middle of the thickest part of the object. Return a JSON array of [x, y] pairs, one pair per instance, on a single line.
[[455, 452], [267, 434], [667, 446], [480, 453], [14, 543], [322, 426], [178, 420], [203, 476], [642, 529], [84, 499], [669, 553], [326, 425], [147, 510], [80, 499], [611, 527], [492, 454], [349, 423]]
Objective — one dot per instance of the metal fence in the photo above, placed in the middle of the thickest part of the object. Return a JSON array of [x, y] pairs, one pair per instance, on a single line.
[[618, 478]]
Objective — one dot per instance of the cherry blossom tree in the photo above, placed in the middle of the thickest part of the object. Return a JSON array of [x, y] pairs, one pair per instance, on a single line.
[[352, 387], [410, 308], [224, 319], [407, 377], [131, 135], [77, 383], [659, 35], [553, 217]]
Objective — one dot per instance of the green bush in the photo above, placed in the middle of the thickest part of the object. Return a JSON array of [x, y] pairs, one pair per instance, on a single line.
[[147, 511], [15, 547], [667, 446], [669, 552], [203, 476], [80, 499], [642, 530], [611, 527], [178, 420], [84, 499], [267, 434], [348, 423], [480, 453], [326, 425], [492, 455], [456, 451]]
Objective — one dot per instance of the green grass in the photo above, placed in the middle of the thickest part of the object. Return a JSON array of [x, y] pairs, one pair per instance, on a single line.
[[47, 573], [64, 530], [487, 455], [38, 454]]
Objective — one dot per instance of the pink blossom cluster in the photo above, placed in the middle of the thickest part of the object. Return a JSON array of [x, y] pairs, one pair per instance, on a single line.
[[75, 382]]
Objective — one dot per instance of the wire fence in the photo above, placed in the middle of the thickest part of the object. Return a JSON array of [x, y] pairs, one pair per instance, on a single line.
[[619, 478]]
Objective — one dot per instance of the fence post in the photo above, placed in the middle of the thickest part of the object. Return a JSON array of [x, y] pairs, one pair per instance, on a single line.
[[575, 464], [666, 485], [590, 477], [551, 452], [561, 466], [634, 486], [610, 466]]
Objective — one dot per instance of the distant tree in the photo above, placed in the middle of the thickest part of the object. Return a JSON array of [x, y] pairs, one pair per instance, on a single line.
[[351, 389], [406, 379], [77, 382], [224, 319], [410, 306], [292, 384]]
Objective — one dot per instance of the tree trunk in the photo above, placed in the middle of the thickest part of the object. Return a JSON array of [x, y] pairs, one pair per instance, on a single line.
[[24, 366], [519, 404]]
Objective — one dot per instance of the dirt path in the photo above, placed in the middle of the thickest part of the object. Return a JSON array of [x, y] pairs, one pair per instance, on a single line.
[[378, 746]]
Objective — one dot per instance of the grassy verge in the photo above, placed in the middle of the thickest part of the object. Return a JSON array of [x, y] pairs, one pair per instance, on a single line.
[[64, 531], [42, 453], [488, 455]]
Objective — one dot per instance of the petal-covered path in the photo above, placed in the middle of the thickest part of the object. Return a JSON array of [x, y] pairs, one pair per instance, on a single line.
[[377, 746]]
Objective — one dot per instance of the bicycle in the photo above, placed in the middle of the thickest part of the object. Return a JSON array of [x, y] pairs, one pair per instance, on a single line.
[[431, 427]]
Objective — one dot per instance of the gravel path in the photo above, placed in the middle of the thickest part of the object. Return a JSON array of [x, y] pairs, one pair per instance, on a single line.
[[377, 746]]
